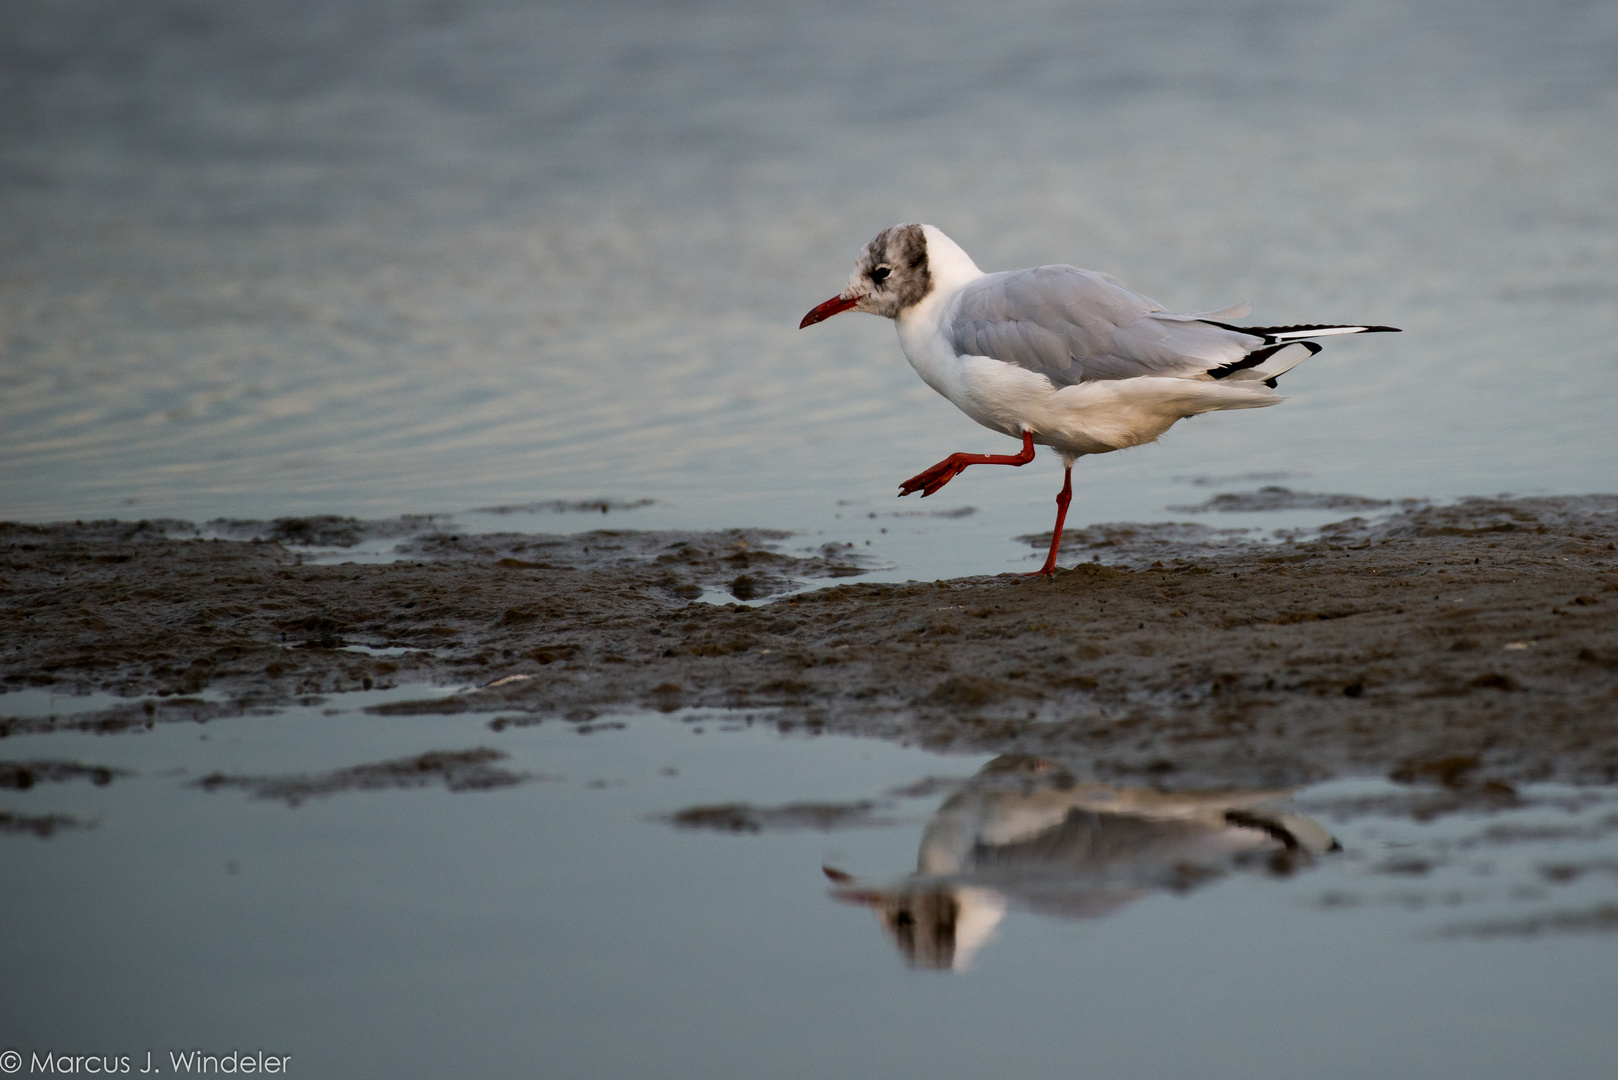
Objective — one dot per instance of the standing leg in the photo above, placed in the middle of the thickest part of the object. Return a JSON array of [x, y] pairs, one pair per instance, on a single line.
[[1049, 569], [946, 470]]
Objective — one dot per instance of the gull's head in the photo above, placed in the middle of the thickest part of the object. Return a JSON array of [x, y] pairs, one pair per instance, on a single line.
[[891, 274]]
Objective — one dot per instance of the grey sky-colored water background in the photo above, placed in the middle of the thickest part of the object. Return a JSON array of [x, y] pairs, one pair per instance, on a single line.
[[379, 258]]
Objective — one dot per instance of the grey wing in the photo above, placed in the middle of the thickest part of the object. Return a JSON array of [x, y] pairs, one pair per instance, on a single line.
[[1073, 325]]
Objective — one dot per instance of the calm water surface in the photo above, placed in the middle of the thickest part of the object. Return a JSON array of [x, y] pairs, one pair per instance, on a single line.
[[375, 258], [564, 927]]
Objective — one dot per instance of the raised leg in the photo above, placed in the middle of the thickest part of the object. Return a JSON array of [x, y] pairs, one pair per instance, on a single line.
[[946, 470], [1049, 569]]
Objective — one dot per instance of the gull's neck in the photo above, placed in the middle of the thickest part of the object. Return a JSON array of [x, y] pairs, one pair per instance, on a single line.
[[951, 270], [950, 267]]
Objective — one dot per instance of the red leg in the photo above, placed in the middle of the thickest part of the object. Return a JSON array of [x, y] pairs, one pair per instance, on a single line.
[[946, 470], [1049, 569]]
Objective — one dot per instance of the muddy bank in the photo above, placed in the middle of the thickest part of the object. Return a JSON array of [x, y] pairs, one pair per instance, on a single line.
[[1465, 648]]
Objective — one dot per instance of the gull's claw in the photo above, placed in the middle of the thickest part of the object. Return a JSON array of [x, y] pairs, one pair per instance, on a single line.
[[936, 477]]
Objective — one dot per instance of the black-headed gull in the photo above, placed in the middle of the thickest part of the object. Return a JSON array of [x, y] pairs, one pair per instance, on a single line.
[[1055, 355]]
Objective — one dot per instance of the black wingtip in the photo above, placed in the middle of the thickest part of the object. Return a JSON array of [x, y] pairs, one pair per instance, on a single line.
[[1382, 330]]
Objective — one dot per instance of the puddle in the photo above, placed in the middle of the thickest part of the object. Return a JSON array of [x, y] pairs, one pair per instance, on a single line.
[[377, 650], [696, 894]]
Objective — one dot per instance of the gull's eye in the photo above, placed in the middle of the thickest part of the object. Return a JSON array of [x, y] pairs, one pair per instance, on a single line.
[[880, 274]]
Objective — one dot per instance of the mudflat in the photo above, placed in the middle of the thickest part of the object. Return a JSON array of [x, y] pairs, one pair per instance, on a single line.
[[1471, 646]]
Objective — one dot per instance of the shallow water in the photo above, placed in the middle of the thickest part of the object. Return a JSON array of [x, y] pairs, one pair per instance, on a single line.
[[551, 919], [379, 259]]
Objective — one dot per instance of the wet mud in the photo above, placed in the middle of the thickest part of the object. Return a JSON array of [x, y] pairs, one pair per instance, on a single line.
[[1601, 919], [1274, 497], [746, 818], [40, 825], [22, 775], [1459, 649], [454, 770]]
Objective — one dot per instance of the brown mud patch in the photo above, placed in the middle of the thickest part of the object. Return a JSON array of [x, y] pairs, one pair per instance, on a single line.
[[1273, 497], [455, 770], [1458, 647], [1601, 919], [746, 818], [40, 825], [22, 775]]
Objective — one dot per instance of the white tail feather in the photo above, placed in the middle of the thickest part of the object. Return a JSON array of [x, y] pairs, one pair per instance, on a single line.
[[1330, 331], [1276, 364]]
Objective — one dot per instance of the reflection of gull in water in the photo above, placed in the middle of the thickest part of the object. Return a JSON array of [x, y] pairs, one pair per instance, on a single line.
[[1023, 832]]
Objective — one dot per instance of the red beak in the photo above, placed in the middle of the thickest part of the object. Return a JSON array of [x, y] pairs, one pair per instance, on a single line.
[[831, 307]]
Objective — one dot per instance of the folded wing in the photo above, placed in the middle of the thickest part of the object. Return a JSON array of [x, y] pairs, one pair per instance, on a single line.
[[1074, 326]]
